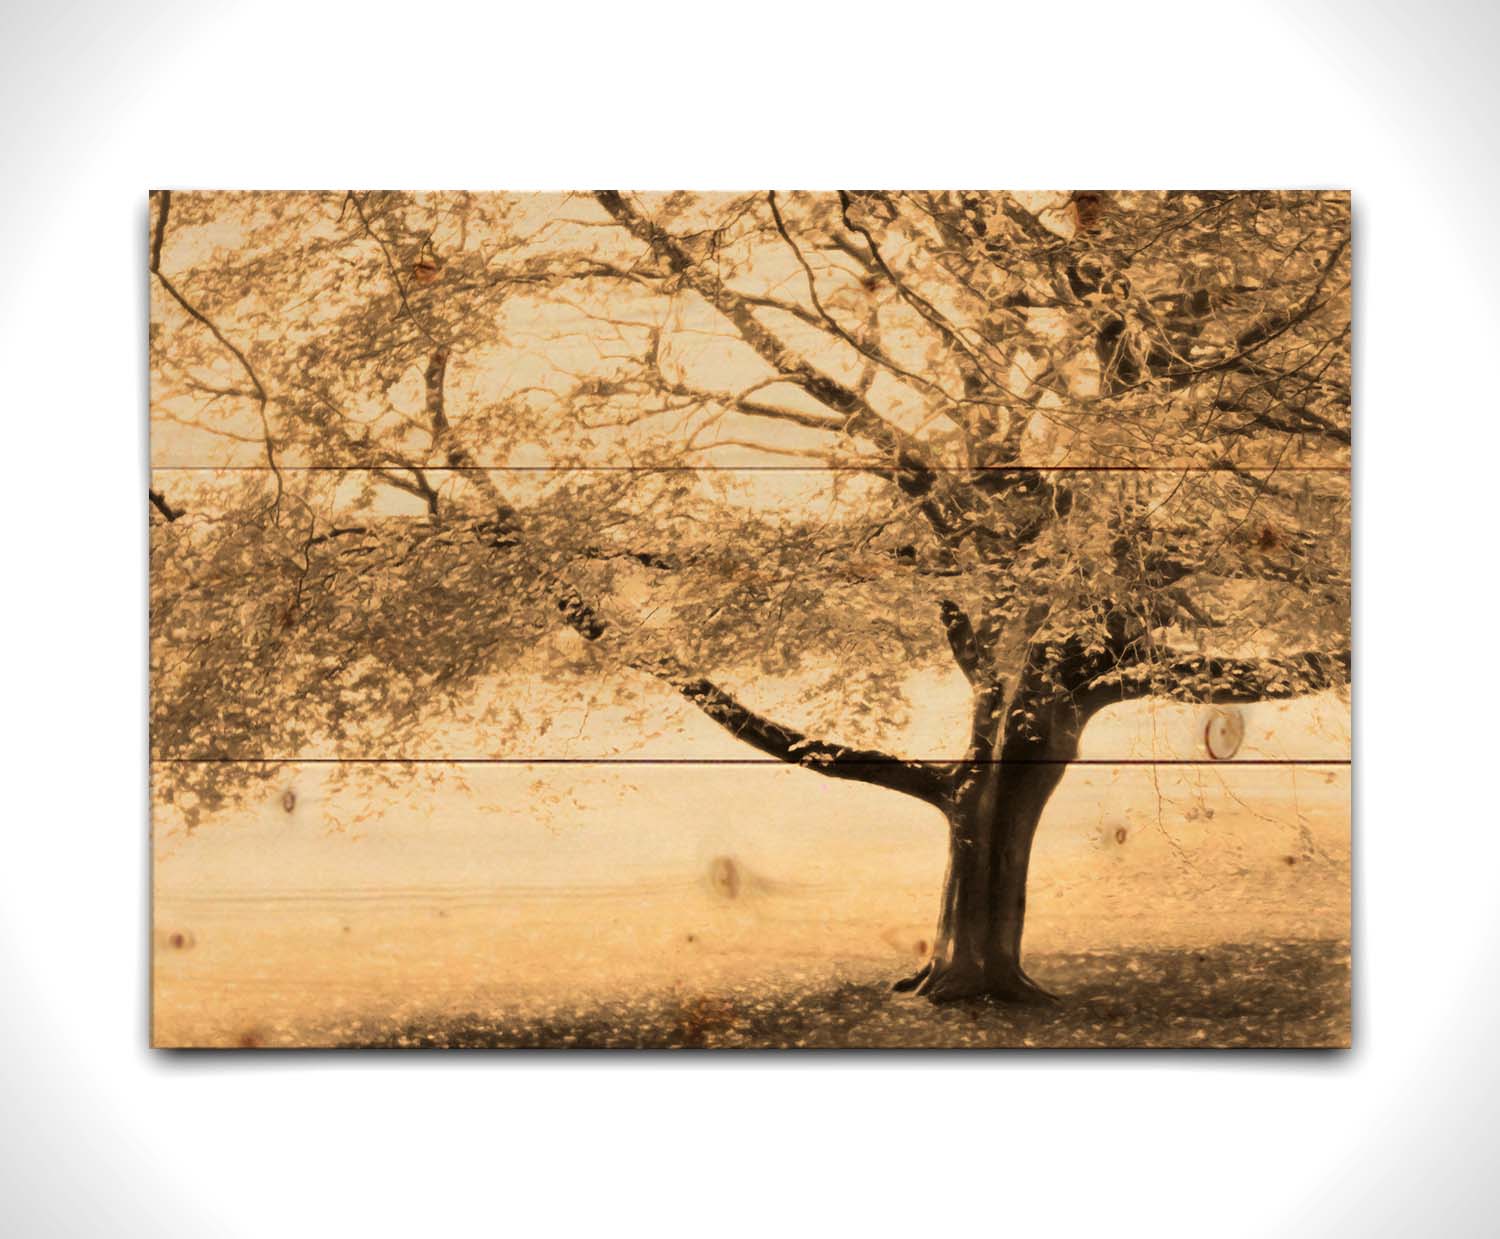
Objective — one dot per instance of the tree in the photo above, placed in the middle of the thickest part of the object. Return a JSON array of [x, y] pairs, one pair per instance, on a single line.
[[1086, 448]]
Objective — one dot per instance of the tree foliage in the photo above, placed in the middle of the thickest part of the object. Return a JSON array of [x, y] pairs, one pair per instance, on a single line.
[[1092, 444]]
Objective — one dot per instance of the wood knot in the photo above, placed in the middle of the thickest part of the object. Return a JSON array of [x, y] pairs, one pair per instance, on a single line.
[[1087, 207], [724, 877], [1224, 733]]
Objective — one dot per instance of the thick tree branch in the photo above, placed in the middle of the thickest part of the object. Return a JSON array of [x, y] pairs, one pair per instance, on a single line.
[[163, 198], [417, 486], [962, 640], [159, 502], [920, 779]]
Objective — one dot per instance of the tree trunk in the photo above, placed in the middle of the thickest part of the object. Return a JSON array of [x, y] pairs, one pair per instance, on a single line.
[[992, 821]]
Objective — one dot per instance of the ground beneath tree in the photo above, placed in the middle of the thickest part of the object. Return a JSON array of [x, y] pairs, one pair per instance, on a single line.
[[644, 914], [1280, 994]]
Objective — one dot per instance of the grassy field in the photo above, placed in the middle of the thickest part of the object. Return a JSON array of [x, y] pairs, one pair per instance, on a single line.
[[1282, 995], [1170, 907]]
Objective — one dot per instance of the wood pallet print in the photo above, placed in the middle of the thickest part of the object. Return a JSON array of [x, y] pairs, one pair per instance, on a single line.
[[707, 620]]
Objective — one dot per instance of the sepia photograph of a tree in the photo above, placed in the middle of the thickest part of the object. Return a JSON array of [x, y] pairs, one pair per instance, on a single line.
[[439, 476]]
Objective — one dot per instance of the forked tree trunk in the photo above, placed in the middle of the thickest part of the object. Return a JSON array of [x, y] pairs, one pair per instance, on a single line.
[[992, 821]]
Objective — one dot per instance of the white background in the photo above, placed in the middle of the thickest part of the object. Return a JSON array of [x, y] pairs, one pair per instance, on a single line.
[[98, 1136]]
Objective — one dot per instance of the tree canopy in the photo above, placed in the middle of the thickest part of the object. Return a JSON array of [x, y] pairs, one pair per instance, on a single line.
[[409, 446]]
